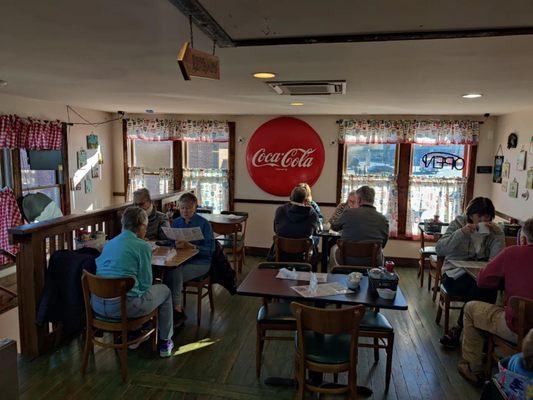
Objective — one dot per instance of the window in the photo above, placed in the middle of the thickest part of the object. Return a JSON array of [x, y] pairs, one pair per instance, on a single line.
[[43, 181], [153, 166], [436, 184], [373, 165], [206, 171]]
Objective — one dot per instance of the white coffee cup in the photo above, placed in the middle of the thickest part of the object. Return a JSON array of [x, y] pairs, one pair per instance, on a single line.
[[482, 228]]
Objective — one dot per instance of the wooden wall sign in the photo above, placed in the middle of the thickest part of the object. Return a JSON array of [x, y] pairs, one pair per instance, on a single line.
[[194, 62]]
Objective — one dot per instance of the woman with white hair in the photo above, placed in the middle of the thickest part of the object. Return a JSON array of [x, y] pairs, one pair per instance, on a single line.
[[129, 255]]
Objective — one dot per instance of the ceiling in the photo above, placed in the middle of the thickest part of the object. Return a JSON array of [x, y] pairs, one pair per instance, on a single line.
[[121, 55]]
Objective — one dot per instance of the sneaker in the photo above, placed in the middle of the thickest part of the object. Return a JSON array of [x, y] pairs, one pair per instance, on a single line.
[[165, 348], [452, 339], [475, 378]]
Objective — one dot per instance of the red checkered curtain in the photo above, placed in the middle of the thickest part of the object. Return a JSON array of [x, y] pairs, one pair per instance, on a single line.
[[9, 218], [27, 133]]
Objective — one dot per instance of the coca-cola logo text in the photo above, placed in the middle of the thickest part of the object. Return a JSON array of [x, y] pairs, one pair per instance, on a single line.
[[293, 158], [282, 153]]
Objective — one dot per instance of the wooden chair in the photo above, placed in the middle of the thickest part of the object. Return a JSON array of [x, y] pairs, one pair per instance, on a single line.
[[242, 236], [274, 316], [445, 299], [197, 286], [108, 288], [293, 247], [13, 259], [231, 243], [424, 253], [349, 249], [523, 309], [435, 274], [375, 326], [327, 343]]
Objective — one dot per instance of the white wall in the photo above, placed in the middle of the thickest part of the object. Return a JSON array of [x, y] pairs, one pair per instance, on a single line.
[[102, 187], [520, 123]]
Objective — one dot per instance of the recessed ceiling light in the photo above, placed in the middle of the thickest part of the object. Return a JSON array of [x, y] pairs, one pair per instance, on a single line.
[[472, 96], [150, 111], [264, 75], [297, 103], [3, 83]]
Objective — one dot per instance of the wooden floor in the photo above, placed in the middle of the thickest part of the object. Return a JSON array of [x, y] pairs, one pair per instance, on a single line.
[[217, 360]]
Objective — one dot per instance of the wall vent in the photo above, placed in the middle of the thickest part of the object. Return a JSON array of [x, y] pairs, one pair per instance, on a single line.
[[308, 88]]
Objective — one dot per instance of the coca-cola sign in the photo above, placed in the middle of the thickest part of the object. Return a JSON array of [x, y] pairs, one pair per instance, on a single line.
[[282, 153]]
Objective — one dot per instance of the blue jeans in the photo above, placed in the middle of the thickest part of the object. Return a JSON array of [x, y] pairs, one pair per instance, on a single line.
[[156, 296], [174, 279]]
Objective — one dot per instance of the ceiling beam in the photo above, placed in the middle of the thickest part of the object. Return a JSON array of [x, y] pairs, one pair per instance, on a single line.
[[207, 24]]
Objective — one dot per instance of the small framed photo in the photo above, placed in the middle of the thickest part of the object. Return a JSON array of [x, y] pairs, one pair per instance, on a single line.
[[521, 161], [529, 184], [82, 158], [95, 171], [92, 141], [513, 189]]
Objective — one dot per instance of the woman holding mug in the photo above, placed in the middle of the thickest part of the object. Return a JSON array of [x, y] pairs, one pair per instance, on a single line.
[[471, 236]]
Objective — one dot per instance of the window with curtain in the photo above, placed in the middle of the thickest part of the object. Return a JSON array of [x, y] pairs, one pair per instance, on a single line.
[[152, 166], [373, 165], [376, 154], [436, 184], [39, 181], [205, 169]]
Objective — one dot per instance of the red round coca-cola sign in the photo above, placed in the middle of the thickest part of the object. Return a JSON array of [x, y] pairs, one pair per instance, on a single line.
[[282, 153]]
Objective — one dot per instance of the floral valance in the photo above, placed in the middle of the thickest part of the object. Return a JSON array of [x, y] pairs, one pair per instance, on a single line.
[[28, 133], [171, 129], [409, 131]]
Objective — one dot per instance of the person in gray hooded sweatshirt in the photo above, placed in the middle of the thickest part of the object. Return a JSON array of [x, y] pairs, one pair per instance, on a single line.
[[471, 236]]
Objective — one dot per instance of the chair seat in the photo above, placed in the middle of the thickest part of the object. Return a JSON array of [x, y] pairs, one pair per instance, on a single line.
[[428, 251], [326, 349], [451, 297], [375, 322], [276, 313]]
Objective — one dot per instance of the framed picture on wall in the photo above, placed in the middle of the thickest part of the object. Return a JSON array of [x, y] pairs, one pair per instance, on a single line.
[[506, 169], [92, 141], [497, 171], [95, 171], [82, 158], [504, 186], [513, 189], [521, 161], [529, 183]]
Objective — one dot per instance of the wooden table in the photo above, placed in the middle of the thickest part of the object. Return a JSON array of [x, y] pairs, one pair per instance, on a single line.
[[181, 257], [263, 283], [326, 236], [224, 218]]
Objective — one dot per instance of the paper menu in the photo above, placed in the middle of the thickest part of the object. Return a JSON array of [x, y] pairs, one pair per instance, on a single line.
[[183, 234], [323, 290], [305, 276], [468, 264]]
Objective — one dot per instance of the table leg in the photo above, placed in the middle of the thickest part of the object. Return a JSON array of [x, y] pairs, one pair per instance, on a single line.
[[325, 254]]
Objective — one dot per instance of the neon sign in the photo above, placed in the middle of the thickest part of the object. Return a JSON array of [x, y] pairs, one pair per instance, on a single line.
[[439, 160]]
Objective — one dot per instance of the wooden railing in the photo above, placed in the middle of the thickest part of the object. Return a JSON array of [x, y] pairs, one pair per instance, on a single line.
[[38, 242]]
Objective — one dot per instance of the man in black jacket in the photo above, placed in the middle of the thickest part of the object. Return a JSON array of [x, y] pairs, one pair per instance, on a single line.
[[296, 220]]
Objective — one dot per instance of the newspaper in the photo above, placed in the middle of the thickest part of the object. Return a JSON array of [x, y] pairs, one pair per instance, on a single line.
[[304, 276], [183, 234], [468, 264], [323, 290]]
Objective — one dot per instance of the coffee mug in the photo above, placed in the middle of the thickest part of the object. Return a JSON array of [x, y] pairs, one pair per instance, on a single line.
[[483, 229]]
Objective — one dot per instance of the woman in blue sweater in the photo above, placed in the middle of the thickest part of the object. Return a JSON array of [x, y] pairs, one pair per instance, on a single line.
[[198, 265]]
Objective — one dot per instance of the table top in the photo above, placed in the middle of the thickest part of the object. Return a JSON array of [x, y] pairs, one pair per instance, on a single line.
[[224, 219], [181, 256], [263, 283]]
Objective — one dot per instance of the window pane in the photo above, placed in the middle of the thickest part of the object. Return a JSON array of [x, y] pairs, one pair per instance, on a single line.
[[444, 161], [375, 159], [153, 155], [207, 155], [52, 192], [33, 178]]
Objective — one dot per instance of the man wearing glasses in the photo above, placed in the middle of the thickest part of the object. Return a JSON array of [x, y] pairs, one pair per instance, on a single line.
[[156, 220]]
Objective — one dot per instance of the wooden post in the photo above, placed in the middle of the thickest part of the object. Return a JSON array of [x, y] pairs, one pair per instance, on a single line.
[[177, 163], [470, 173], [403, 186], [65, 187], [125, 158], [340, 171], [231, 166]]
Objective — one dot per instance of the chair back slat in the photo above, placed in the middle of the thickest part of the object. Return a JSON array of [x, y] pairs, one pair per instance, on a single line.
[[226, 229], [523, 308], [304, 267], [328, 321], [107, 288], [292, 246], [349, 249]]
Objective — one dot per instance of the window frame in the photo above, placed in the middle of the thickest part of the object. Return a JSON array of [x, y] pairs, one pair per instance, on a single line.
[[403, 162]]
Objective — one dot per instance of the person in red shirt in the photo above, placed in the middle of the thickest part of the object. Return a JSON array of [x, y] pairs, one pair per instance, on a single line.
[[515, 265]]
